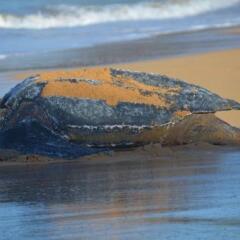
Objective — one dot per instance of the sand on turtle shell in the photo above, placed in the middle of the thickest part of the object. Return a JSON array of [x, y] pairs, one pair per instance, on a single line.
[[112, 89]]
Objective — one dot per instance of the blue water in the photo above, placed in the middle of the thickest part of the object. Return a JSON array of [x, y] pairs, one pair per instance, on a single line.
[[37, 26]]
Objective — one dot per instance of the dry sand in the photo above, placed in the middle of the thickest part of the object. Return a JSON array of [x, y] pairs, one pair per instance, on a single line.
[[216, 71]]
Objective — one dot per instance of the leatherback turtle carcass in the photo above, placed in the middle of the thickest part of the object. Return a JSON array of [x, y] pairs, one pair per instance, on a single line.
[[105, 107]]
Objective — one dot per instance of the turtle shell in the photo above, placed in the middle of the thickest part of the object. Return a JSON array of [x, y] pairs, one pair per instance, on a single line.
[[105, 106]]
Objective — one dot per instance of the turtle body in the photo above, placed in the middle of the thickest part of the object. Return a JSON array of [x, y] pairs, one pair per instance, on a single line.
[[104, 107]]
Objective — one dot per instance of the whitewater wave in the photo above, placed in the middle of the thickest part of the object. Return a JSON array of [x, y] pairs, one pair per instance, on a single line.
[[72, 16]]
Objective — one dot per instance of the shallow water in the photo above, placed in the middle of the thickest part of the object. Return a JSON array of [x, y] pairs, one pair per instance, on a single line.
[[186, 195]]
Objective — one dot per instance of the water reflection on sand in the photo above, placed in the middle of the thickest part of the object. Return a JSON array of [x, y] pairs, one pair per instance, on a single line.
[[191, 197]]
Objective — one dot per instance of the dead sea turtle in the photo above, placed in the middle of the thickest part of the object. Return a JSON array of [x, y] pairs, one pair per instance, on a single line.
[[111, 107]]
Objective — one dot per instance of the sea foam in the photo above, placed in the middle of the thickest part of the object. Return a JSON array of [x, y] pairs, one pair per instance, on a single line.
[[72, 16]]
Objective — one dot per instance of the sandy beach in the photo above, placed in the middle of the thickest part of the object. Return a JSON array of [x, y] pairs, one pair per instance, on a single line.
[[94, 146], [217, 71]]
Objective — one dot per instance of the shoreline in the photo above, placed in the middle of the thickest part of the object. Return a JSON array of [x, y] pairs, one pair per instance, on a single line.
[[161, 46]]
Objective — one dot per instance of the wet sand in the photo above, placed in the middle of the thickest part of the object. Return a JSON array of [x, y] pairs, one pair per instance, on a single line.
[[217, 71], [186, 193], [158, 46]]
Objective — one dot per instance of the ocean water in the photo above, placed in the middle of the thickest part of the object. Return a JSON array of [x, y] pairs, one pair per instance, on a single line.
[[45, 26]]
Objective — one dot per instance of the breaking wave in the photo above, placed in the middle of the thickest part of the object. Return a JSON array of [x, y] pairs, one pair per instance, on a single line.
[[72, 16]]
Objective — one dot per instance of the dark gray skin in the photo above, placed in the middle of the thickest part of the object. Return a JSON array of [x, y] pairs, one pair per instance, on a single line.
[[24, 108]]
